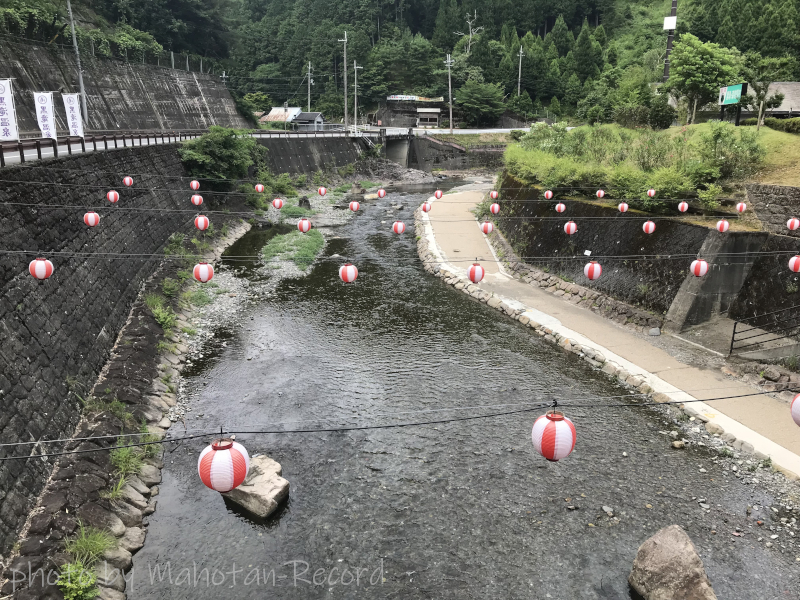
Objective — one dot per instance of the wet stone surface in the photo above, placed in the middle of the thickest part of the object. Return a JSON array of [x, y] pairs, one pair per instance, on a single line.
[[457, 510]]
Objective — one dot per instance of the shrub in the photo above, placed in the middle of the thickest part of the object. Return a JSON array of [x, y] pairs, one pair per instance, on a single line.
[[661, 113], [88, 544], [626, 181], [77, 582], [700, 173], [631, 115], [170, 287], [735, 158], [709, 196], [516, 134], [651, 150], [221, 153], [749, 122], [670, 183]]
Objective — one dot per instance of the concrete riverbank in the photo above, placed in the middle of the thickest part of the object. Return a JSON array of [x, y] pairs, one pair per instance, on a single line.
[[750, 422]]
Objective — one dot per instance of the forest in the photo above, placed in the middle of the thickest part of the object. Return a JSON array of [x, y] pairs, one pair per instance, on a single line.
[[589, 60]]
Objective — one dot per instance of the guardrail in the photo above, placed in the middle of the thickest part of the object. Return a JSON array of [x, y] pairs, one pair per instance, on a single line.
[[109, 140], [765, 330]]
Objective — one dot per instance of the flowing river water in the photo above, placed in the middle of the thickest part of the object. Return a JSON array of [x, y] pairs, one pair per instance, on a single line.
[[458, 510]]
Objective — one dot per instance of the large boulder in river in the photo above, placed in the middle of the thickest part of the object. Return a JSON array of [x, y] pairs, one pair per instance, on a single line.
[[667, 567], [263, 489]]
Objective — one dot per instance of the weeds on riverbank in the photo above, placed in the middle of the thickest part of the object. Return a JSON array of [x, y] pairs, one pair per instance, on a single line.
[[300, 248]]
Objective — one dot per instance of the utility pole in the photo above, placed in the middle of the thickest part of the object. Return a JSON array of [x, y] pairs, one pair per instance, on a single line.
[[78, 62], [519, 77], [449, 63], [670, 22], [310, 81], [355, 91], [345, 81]]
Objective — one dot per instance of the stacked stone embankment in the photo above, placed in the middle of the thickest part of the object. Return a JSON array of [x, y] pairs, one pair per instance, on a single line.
[[120, 95], [55, 335]]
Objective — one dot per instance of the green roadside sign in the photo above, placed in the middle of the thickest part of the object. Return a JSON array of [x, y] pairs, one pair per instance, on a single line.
[[732, 94]]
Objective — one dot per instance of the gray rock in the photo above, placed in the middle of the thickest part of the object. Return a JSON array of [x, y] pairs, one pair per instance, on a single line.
[[150, 475], [678, 444], [713, 428], [133, 539], [127, 513], [97, 516], [106, 593], [654, 331], [132, 496], [119, 558], [667, 567], [110, 577], [263, 489]]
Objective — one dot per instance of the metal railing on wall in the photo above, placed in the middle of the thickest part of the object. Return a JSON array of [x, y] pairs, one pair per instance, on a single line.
[[760, 331]]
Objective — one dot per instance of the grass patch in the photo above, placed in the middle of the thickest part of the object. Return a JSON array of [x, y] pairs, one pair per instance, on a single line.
[[89, 544], [189, 330], [152, 449], [368, 184], [170, 287], [126, 461], [162, 347], [197, 297], [300, 248], [93, 405], [163, 314], [115, 492], [294, 212], [342, 189]]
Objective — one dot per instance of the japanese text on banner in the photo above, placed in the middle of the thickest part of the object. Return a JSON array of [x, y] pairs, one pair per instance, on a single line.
[[72, 105], [45, 114], [8, 114]]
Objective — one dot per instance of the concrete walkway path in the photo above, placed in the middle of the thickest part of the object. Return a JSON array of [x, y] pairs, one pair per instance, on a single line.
[[760, 420]]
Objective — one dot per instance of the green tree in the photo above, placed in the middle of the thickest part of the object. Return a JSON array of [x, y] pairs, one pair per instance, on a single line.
[[221, 154], [555, 107], [588, 54], [573, 91], [562, 37], [600, 35], [448, 20], [698, 70], [259, 101], [760, 73], [522, 104], [481, 103]]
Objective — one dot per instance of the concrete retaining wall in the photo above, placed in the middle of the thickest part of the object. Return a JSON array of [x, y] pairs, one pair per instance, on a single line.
[[427, 154], [308, 155], [120, 95], [58, 333]]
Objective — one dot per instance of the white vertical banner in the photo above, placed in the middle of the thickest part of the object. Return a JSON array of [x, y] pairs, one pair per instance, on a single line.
[[45, 114], [72, 104], [8, 114]]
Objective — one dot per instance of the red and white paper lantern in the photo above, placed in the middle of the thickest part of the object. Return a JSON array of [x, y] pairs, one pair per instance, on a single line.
[[476, 273], [303, 225], [593, 270], [494, 208], [113, 196], [260, 188], [793, 223], [651, 193], [487, 227], [699, 267], [197, 199], [561, 207], [277, 203], [623, 207], [201, 222], [348, 273], [741, 207], [795, 409], [683, 206], [426, 207], [438, 194], [649, 227], [381, 193], [794, 264], [91, 219], [600, 193], [354, 206], [127, 181], [570, 228], [553, 436], [194, 184], [548, 195], [223, 465], [203, 272], [322, 191], [40, 268], [398, 227], [723, 226], [493, 194]]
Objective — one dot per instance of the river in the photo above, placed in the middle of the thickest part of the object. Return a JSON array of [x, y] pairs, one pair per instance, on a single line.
[[459, 510]]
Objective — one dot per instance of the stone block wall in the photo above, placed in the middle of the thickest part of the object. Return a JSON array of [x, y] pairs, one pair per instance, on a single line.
[[120, 95], [56, 335], [427, 154], [309, 155], [774, 205]]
